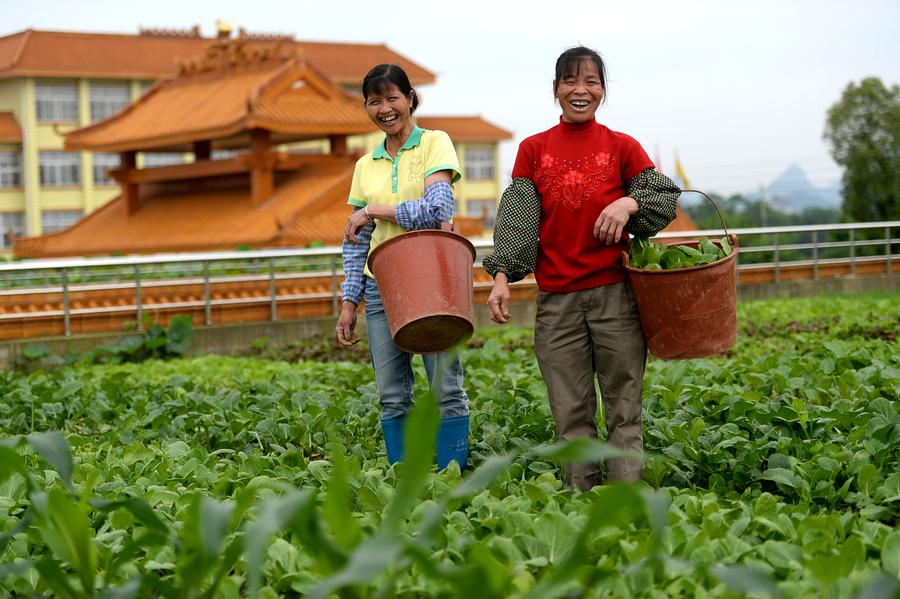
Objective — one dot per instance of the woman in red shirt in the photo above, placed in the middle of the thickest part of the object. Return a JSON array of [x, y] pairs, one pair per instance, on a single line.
[[578, 189]]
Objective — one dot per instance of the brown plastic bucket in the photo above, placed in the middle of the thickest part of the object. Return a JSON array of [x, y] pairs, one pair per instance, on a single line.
[[688, 312], [425, 279]]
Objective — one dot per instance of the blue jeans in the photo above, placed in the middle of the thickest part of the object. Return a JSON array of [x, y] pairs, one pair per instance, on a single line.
[[393, 367]]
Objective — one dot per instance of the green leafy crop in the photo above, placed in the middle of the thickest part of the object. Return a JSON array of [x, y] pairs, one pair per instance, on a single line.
[[647, 255], [771, 471]]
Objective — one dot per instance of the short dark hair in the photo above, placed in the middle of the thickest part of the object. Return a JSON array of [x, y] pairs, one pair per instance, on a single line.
[[569, 64], [380, 78]]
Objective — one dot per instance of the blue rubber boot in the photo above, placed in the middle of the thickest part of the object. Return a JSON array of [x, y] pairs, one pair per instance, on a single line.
[[393, 438], [453, 441]]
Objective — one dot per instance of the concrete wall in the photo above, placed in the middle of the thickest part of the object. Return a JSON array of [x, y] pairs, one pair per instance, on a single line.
[[233, 338]]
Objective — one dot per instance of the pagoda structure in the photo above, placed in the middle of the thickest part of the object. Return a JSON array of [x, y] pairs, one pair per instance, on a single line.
[[247, 100]]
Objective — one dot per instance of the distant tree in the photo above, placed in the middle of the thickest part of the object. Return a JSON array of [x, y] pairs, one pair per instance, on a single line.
[[864, 131]]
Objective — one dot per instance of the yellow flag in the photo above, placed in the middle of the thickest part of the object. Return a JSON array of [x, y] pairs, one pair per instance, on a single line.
[[679, 170]]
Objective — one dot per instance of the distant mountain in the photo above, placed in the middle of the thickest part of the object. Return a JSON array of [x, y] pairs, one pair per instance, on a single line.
[[792, 192]]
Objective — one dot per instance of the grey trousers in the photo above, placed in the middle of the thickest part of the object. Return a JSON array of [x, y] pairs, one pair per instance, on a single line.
[[579, 335]]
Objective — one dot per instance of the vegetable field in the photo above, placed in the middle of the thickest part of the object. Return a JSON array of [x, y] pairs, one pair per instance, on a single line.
[[771, 471]]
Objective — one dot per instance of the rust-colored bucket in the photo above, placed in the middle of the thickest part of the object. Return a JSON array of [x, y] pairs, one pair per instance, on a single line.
[[688, 312], [425, 279]]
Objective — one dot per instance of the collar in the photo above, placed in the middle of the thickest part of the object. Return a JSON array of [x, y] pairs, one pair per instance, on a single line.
[[578, 128], [415, 137]]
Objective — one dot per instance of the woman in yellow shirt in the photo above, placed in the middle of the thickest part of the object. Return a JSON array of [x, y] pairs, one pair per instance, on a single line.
[[404, 184]]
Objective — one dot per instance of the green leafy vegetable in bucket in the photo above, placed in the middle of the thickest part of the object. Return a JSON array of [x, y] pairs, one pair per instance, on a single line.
[[647, 255]]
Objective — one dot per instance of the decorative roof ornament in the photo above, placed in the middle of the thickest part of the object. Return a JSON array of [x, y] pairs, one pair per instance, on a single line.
[[232, 53], [223, 29]]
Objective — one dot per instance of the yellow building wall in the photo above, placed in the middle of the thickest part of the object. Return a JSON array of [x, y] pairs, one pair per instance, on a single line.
[[10, 90], [62, 198], [18, 96], [477, 189], [104, 194], [12, 200], [30, 173]]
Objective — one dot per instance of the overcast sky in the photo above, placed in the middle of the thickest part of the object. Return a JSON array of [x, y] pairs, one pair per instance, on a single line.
[[738, 88]]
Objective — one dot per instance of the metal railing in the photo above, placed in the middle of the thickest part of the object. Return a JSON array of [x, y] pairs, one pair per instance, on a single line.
[[777, 248]]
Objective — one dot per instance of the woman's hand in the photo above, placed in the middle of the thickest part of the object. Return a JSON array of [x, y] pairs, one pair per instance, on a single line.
[[498, 301], [346, 325], [355, 223], [611, 223]]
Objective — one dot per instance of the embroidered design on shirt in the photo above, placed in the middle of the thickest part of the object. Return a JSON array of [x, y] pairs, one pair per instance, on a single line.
[[416, 167], [573, 182]]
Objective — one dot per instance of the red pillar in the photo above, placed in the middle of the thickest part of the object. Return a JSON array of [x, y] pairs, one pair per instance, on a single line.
[[262, 174]]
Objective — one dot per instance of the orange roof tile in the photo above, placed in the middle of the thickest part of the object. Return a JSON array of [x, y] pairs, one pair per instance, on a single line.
[[309, 206], [10, 131], [217, 100], [35, 53], [465, 128]]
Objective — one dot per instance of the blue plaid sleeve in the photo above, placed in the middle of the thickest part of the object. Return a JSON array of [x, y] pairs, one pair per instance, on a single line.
[[429, 211], [355, 255]]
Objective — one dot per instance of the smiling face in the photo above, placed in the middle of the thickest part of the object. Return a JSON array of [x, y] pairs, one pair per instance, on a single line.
[[580, 92], [390, 109]]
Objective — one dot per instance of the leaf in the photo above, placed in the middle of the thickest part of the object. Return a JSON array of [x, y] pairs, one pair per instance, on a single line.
[[11, 463], [340, 518], [726, 246], [54, 448], [557, 532], [129, 590], [271, 517], [53, 576], [180, 334], [35, 351], [890, 554], [746, 580], [215, 517], [419, 443], [483, 476], [708, 247], [21, 526], [781, 475], [880, 587], [68, 532], [582, 450], [138, 508], [366, 563]]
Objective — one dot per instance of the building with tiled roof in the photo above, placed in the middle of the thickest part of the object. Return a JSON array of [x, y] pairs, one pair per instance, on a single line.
[[155, 53], [234, 96], [477, 145], [54, 83]]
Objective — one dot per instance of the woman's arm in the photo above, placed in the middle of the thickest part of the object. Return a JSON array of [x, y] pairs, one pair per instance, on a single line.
[[427, 212], [656, 196], [516, 232], [355, 251]]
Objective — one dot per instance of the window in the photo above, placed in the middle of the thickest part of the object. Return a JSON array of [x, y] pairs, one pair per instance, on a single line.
[[479, 163], [486, 209], [224, 154], [59, 169], [103, 163], [10, 170], [56, 102], [56, 220], [162, 159], [107, 99], [11, 224]]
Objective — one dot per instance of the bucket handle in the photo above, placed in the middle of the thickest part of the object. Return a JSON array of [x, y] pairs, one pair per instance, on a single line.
[[714, 206], [449, 227]]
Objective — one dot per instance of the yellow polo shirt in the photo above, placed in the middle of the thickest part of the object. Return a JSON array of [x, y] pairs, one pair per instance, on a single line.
[[380, 179]]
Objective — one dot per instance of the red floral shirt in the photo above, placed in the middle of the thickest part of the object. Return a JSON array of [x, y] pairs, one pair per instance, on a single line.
[[578, 171]]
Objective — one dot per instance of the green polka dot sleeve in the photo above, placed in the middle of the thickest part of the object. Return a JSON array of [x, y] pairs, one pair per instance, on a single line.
[[656, 196], [516, 231]]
